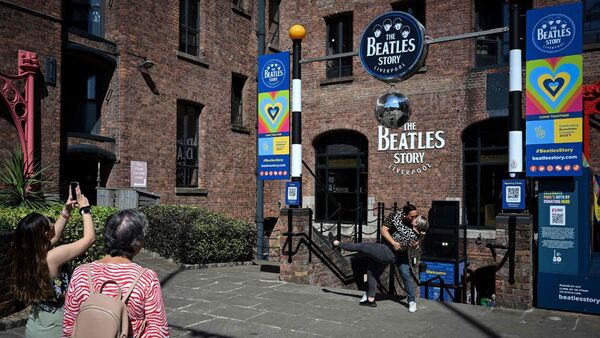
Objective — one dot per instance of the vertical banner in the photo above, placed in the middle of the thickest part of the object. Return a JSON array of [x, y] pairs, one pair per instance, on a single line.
[[554, 73], [273, 144], [558, 232]]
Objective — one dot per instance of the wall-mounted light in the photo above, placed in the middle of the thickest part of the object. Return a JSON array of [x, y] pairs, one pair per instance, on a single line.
[[146, 64], [50, 71]]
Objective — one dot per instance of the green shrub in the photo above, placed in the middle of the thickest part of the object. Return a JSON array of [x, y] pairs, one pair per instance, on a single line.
[[21, 190], [9, 217], [197, 236]]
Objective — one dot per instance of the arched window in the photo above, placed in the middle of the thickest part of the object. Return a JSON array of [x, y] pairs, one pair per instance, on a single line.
[[341, 170], [485, 159]]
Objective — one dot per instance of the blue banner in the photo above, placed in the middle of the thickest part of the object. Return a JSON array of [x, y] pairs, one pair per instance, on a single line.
[[558, 237], [554, 159], [578, 293], [274, 167], [554, 31], [273, 134], [274, 72], [513, 194]]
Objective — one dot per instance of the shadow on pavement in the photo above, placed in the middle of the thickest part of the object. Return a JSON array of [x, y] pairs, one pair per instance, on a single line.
[[165, 280], [199, 333], [474, 322], [378, 296]]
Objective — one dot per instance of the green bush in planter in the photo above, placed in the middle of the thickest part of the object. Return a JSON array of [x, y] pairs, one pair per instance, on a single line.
[[197, 236], [9, 217]]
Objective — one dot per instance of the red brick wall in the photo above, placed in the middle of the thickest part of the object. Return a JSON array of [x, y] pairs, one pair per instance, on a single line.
[[41, 34]]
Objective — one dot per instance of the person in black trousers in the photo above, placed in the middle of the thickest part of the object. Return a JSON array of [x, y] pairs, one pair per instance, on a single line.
[[400, 231]]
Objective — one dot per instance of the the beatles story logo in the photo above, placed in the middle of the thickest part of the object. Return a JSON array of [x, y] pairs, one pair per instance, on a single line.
[[273, 73], [409, 146], [553, 33], [392, 46]]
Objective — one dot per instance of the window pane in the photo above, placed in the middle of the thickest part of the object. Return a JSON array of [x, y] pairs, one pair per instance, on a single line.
[[237, 88], [189, 26], [591, 22], [86, 15], [339, 40], [415, 8], [274, 22], [342, 167], [471, 195], [187, 145]]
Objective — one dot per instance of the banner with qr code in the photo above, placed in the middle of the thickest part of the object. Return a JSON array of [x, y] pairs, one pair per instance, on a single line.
[[558, 232], [513, 194]]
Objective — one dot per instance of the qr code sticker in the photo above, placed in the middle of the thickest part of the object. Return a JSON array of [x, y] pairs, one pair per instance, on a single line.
[[557, 215], [513, 194], [292, 193]]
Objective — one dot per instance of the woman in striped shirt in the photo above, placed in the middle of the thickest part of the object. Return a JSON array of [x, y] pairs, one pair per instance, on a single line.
[[124, 235]]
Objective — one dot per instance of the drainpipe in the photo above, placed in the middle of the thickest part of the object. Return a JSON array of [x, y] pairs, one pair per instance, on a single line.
[[260, 220]]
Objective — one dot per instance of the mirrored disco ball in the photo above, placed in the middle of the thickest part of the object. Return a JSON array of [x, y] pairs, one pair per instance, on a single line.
[[392, 110]]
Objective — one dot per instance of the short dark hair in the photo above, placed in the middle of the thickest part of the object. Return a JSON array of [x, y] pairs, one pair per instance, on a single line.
[[123, 232]]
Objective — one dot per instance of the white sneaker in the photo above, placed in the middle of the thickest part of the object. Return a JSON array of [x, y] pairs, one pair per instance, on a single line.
[[364, 298], [412, 307]]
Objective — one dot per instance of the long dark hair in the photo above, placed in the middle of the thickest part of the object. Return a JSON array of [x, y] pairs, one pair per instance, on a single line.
[[30, 268]]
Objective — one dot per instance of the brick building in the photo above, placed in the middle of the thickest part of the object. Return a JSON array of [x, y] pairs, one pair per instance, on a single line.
[[172, 84], [462, 92], [168, 83]]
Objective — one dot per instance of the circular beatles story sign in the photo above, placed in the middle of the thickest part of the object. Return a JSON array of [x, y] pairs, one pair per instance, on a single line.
[[392, 47]]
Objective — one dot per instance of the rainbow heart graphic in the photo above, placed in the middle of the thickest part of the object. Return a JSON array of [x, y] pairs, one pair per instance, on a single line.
[[554, 85], [273, 112]]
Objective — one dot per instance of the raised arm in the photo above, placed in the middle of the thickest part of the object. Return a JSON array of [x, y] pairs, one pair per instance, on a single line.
[[65, 214], [64, 253]]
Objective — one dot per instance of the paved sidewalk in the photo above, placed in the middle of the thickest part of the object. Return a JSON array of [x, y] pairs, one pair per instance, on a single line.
[[244, 302]]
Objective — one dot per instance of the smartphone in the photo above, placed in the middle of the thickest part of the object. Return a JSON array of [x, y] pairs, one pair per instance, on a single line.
[[73, 187]]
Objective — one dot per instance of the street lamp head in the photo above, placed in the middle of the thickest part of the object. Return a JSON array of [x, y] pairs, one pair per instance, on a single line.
[[297, 32]]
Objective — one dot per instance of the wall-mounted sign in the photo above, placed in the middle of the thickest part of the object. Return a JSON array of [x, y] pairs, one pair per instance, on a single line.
[[410, 148], [392, 47], [292, 193], [139, 174], [513, 194], [273, 144]]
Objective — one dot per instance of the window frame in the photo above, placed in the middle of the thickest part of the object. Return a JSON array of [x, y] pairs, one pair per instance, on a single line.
[[593, 44], [481, 150], [500, 40], [325, 167], [344, 44], [87, 8], [185, 28], [188, 108], [238, 84], [415, 8], [274, 21]]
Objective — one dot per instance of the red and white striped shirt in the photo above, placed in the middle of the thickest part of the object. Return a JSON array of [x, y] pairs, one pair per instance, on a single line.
[[145, 302]]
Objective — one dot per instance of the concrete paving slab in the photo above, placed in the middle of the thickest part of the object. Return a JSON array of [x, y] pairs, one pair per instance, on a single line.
[[242, 301]]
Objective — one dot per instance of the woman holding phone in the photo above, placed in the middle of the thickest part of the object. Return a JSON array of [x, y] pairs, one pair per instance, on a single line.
[[38, 265]]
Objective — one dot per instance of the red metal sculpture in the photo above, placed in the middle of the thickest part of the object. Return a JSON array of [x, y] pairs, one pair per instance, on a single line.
[[591, 106], [21, 105]]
